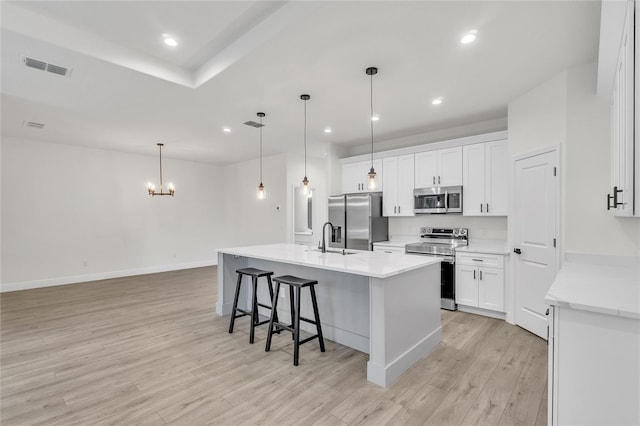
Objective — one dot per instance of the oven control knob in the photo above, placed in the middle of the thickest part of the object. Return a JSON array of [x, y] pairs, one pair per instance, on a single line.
[[463, 231]]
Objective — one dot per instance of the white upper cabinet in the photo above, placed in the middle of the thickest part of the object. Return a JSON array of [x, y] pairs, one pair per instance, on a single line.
[[441, 167], [484, 179], [398, 185], [355, 176], [620, 199]]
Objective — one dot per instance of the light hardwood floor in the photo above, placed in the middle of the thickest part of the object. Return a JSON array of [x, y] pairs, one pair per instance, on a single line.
[[150, 350]]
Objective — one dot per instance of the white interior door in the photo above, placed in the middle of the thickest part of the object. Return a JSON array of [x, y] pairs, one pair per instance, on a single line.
[[535, 231]]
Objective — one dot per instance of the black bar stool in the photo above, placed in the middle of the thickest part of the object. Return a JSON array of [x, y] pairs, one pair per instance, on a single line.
[[275, 326], [254, 273]]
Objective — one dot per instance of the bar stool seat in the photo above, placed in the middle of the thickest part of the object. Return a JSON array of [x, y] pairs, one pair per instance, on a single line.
[[275, 326], [254, 273]]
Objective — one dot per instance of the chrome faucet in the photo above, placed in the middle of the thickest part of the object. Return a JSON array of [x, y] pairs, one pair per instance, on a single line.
[[324, 244]]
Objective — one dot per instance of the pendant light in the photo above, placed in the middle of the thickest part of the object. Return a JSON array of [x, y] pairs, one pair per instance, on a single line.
[[151, 188], [261, 192], [371, 71], [305, 181]]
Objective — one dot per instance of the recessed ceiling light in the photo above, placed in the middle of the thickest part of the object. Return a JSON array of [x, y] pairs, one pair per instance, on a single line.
[[469, 37], [436, 101], [375, 118], [226, 130], [169, 41], [327, 130]]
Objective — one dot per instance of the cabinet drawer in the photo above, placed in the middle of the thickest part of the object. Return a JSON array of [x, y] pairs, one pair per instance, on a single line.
[[480, 259]]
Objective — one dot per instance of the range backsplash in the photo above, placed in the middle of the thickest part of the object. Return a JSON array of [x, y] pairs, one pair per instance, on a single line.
[[484, 228]]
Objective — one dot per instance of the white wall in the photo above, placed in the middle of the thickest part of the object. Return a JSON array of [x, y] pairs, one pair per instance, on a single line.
[[587, 174], [74, 214], [484, 228], [251, 221], [565, 111]]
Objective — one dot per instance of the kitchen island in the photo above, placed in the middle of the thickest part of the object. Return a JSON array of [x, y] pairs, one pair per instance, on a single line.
[[386, 305]]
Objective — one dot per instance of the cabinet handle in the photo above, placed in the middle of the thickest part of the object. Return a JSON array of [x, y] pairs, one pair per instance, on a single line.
[[481, 208], [387, 251], [398, 209], [478, 260], [480, 275], [474, 274], [438, 179], [609, 198], [434, 180], [487, 207], [394, 209]]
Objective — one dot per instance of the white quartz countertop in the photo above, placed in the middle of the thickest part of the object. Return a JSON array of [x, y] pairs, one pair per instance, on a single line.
[[368, 263], [596, 287], [485, 246]]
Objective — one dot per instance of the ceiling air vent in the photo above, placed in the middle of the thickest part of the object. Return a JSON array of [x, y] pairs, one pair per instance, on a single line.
[[33, 124], [43, 66], [253, 124]]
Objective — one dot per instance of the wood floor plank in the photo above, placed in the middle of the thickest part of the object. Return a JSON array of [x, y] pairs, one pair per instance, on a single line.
[[151, 350]]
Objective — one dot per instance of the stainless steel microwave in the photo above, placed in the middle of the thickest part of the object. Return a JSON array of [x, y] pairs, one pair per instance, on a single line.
[[446, 199]]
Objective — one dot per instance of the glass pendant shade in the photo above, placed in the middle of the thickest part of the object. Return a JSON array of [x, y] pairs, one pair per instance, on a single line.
[[372, 178], [261, 192], [305, 186]]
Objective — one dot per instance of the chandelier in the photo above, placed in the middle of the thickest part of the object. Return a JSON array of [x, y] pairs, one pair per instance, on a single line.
[[151, 188]]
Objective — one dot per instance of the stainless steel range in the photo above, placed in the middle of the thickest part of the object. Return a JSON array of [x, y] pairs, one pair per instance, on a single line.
[[442, 242]]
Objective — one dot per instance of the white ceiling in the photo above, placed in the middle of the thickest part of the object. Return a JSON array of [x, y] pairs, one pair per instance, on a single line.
[[128, 90]]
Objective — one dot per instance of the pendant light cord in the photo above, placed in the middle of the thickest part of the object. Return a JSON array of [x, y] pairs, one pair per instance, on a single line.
[[305, 138], [260, 149], [371, 120], [160, 146]]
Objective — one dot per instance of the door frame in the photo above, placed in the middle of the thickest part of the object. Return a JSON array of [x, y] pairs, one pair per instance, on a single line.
[[510, 296]]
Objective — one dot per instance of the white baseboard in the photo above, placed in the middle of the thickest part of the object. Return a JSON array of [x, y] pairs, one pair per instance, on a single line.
[[74, 279], [480, 311]]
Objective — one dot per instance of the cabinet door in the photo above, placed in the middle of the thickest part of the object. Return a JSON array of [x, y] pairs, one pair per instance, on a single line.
[[405, 184], [473, 180], [467, 285], [496, 174], [450, 167], [491, 289], [426, 169], [352, 179], [390, 193]]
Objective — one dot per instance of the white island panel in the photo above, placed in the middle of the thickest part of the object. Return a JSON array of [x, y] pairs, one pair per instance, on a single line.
[[385, 305]]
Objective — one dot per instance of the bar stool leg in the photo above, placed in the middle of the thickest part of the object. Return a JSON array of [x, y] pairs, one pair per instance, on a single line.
[[317, 317], [235, 303], [254, 308], [293, 310], [271, 295], [296, 329], [274, 304]]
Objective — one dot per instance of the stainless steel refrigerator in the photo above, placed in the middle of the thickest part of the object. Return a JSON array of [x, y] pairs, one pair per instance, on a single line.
[[360, 219]]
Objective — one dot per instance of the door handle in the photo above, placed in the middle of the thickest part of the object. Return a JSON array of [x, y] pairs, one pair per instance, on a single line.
[[517, 251], [474, 274], [446, 200]]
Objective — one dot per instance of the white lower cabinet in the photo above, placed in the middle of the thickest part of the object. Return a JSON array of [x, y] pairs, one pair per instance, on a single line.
[[480, 280], [594, 368]]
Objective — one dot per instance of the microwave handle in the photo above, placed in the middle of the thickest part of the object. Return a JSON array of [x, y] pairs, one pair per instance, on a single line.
[[446, 200]]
